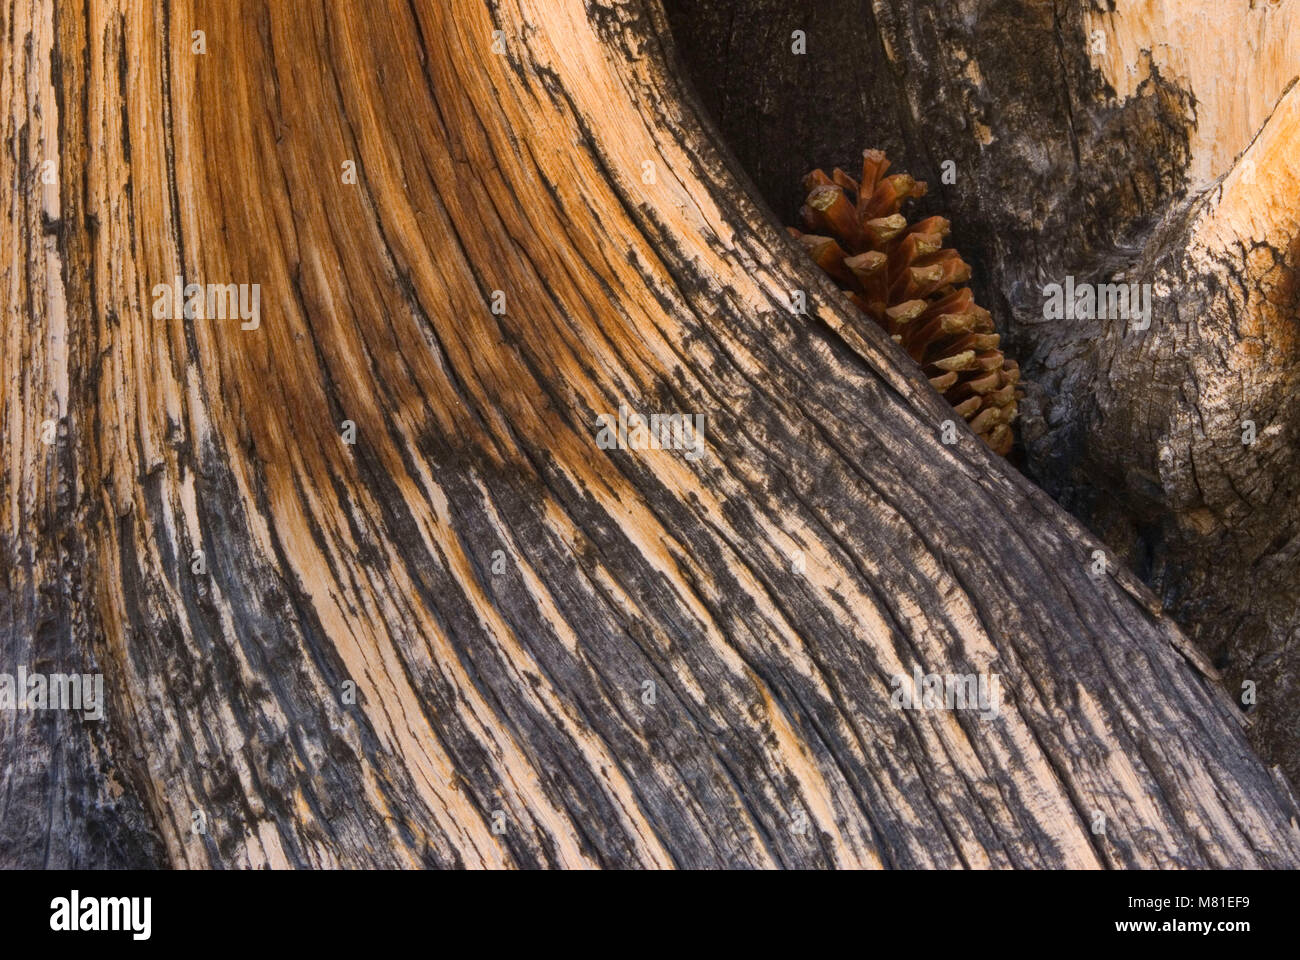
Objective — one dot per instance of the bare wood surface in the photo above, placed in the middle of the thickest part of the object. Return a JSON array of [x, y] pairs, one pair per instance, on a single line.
[[1145, 140], [826, 541]]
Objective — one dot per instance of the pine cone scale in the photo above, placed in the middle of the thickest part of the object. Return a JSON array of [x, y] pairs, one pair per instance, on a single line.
[[908, 282]]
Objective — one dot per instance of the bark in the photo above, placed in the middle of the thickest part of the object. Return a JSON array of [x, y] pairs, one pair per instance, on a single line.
[[1153, 142], [498, 588]]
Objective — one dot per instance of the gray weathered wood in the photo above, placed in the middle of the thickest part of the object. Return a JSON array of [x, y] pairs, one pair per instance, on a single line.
[[1156, 142], [826, 541]]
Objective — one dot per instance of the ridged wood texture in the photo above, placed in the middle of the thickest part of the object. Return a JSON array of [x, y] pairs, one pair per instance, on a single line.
[[519, 691], [1154, 141]]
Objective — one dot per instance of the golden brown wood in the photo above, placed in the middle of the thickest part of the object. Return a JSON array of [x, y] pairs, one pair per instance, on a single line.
[[499, 588]]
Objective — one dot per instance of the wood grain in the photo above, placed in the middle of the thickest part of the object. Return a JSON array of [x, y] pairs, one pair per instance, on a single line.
[[1147, 140], [826, 541]]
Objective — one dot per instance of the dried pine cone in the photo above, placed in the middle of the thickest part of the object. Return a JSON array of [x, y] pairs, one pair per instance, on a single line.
[[907, 281]]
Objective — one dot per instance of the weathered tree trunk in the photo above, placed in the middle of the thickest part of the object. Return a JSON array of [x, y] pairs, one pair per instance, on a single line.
[[562, 654], [1149, 141]]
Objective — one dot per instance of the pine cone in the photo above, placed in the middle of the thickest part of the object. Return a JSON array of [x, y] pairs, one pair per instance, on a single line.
[[905, 279]]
